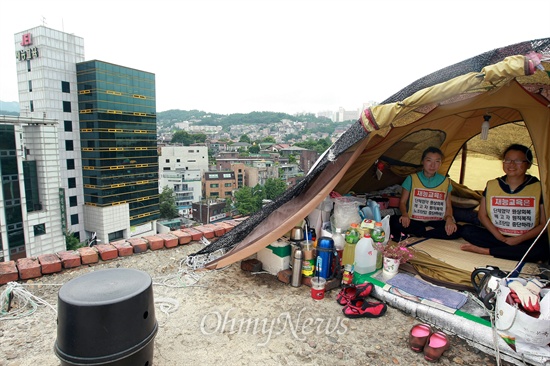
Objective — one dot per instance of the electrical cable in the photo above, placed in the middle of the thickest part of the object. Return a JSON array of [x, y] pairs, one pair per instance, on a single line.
[[17, 302]]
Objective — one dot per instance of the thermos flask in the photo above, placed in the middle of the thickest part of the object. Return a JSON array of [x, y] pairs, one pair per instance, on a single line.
[[296, 280], [325, 253]]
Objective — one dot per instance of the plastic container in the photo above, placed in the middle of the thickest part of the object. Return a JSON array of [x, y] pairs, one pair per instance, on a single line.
[[318, 288], [375, 209], [352, 234], [339, 244], [346, 211], [378, 236], [325, 252], [308, 260], [106, 317], [347, 276], [365, 259]]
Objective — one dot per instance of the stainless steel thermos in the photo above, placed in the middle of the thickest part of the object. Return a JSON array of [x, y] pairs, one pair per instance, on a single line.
[[296, 279]]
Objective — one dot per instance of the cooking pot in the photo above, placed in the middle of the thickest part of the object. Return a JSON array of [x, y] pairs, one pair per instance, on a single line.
[[485, 282]]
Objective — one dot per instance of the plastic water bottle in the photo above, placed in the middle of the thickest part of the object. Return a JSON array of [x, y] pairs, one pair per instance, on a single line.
[[339, 243], [352, 237], [378, 236], [375, 208], [365, 259]]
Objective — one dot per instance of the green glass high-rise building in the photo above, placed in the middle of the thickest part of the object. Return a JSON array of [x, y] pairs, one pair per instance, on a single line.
[[118, 136]]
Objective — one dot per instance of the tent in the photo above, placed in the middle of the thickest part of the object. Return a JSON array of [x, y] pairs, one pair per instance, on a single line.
[[444, 109]]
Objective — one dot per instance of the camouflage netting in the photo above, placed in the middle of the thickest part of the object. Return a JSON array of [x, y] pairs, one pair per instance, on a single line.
[[356, 132]]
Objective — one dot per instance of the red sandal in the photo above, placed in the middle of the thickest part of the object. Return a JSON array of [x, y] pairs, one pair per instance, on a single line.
[[354, 292], [361, 308], [418, 336], [435, 346]]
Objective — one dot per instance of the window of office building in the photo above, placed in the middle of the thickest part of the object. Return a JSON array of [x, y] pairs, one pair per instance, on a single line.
[[65, 87], [39, 229], [72, 182], [73, 201], [30, 85], [228, 185], [214, 185], [31, 105], [70, 164], [69, 145], [29, 65], [66, 106], [74, 219], [30, 174], [68, 126], [116, 235]]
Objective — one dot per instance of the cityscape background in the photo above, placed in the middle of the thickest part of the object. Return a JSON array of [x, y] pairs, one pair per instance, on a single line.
[[93, 147]]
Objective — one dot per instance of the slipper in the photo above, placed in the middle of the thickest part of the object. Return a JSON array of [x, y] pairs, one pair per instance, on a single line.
[[418, 336], [354, 292], [361, 308], [435, 346]]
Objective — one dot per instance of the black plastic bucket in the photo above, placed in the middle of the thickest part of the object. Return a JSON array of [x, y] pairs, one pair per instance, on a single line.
[[106, 317]]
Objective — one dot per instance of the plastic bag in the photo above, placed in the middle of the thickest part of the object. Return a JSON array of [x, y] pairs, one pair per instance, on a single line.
[[346, 212], [386, 227]]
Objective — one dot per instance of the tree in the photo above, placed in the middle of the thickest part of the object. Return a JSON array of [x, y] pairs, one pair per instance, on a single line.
[[187, 139], [72, 242], [167, 204], [228, 204], [292, 159], [245, 138], [269, 139], [248, 200], [182, 137], [274, 187], [254, 149], [318, 145]]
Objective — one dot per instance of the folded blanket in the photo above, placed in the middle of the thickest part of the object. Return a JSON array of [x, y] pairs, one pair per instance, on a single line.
[[427, 291]]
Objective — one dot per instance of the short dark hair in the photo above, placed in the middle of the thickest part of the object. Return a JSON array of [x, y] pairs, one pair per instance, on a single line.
[[433, 150], [519, 147]]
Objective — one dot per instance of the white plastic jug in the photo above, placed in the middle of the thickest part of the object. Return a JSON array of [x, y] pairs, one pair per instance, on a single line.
[[365, 256]]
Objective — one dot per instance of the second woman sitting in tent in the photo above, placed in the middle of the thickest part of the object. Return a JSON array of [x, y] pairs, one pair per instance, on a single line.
[[425, 205]]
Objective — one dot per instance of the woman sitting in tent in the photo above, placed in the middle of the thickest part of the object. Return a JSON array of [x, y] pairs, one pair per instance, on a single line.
[[511, 211], [426, 202]]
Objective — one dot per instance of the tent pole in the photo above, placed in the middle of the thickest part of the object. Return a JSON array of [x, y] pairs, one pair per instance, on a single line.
[[463, 163]]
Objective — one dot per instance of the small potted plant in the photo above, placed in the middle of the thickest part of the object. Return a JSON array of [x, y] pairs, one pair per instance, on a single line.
[[394, 254]]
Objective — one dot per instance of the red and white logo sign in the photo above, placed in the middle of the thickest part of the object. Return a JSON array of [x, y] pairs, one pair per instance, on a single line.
[[26, 39], [428, 205], [513, 215]]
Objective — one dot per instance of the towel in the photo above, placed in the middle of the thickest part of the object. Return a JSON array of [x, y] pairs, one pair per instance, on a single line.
[[423, 289]]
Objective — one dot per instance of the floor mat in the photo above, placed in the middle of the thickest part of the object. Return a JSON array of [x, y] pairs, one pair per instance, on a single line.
[[449, 252]]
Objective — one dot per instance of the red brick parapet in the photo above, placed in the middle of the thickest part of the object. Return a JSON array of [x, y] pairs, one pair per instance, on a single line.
[[28, 268]]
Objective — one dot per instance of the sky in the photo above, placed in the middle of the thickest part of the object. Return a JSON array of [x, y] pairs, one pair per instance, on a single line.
[[288, 56]]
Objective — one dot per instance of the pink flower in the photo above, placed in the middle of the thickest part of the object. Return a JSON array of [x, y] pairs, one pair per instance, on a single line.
[[399, 250]]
